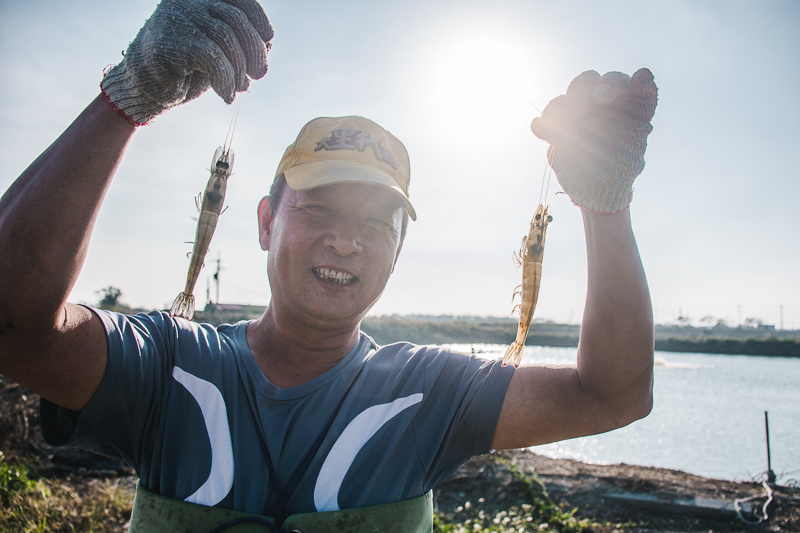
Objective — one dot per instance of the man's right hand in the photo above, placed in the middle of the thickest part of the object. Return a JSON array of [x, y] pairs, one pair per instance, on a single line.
[[184, 48], [57, 349]]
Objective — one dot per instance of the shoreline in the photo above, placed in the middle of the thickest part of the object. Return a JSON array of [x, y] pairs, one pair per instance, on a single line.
[[426, 329], [387, 330], [620, 496]]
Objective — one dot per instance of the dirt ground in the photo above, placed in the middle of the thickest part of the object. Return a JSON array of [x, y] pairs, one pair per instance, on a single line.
[[667, 495], [616, 497]]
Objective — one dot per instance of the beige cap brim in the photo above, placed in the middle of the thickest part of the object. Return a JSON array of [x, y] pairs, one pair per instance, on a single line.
[[319, 173]]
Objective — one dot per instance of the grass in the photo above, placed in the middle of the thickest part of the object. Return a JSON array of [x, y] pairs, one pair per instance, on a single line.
[[33, 504], [540, 513]]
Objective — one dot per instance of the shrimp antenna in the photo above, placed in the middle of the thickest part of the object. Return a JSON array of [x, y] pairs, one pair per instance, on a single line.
[[544, 178], [548, 173], [531, 103], [232, 127]]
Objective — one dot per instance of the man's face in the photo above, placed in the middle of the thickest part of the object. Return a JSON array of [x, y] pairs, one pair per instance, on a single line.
[[331, 250]]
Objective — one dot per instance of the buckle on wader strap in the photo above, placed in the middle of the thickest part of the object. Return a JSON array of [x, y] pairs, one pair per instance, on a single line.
[[154, 513]]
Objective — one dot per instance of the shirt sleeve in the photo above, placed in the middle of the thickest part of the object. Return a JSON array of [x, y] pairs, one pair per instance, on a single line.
[[464, 396], [122, 416]]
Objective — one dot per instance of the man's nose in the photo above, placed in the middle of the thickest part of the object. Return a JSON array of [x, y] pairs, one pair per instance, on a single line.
[[344, 237]]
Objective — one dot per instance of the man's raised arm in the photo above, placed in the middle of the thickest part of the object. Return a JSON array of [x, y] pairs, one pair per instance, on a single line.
[[598, 135], [56, 349]]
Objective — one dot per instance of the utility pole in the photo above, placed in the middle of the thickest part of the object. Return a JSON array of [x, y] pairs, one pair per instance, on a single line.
[[781, 306], [208, 291]]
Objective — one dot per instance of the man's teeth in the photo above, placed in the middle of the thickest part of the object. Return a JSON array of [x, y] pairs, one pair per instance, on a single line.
[[328, 274]]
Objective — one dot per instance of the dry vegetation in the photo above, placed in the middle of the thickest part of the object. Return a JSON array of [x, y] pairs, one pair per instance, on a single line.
[[31, 503]]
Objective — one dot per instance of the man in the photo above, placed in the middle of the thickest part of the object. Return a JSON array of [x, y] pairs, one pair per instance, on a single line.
[[297, 419]]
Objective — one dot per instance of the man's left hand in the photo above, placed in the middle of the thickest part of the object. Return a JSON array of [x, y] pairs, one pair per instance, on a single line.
[[598, 135]]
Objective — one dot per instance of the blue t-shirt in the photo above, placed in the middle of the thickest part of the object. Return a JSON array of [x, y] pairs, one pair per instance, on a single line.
[[183, 403]]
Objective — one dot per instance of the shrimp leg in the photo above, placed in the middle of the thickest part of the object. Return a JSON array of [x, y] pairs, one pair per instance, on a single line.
[[213, 198]]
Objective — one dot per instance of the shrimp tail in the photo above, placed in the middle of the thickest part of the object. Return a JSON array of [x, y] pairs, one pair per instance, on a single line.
[[513, 355], [183, 306]]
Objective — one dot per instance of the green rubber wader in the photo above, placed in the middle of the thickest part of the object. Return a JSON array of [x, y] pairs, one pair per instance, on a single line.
[[153, 513]]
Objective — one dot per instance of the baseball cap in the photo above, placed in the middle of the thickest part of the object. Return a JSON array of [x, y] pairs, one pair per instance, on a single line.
[[347, 149]]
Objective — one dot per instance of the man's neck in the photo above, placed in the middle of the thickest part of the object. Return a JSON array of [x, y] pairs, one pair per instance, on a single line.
[[290, 356]]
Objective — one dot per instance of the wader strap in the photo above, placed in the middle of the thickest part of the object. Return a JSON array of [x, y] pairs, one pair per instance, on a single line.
[[153, 513], [284, 497]]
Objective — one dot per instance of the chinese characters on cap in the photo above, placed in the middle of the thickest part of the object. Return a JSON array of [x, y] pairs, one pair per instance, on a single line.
[[355, 139]]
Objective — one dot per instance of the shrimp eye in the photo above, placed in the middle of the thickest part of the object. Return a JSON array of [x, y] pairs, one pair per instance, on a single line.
[[549, 218], [222, 164], [538, 216]]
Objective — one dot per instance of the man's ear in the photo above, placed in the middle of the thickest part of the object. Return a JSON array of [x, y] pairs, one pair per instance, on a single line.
[[264, 223]]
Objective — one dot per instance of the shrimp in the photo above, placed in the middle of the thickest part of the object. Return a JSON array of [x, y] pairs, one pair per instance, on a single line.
[[530, 259], [213, 198]]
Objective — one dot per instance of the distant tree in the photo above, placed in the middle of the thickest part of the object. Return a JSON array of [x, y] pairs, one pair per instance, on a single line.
[[707, 321], [752, 322], [721, 324], [110, 298]]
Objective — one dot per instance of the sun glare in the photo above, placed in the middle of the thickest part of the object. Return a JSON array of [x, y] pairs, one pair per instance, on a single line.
[[479, 92], [485, 82]]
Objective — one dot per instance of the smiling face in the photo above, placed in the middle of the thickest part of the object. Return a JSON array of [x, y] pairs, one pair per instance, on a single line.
[[331, 251]]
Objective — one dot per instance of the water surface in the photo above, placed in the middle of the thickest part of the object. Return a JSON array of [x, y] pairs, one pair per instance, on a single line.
[[707, 418]]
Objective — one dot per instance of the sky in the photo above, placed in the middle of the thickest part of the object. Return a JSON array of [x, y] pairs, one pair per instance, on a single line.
[[716, 211]]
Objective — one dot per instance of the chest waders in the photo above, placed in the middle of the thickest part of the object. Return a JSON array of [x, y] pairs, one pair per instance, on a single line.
[[153, 513]]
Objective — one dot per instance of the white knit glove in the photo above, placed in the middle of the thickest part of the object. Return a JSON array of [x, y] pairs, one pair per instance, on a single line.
[[184, 48], [598, 135]]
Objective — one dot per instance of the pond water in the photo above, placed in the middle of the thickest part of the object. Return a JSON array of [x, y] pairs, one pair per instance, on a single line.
[[707, 418]]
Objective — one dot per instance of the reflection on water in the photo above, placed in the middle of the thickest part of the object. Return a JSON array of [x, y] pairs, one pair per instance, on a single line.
[[707, 418], [661, 362]]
